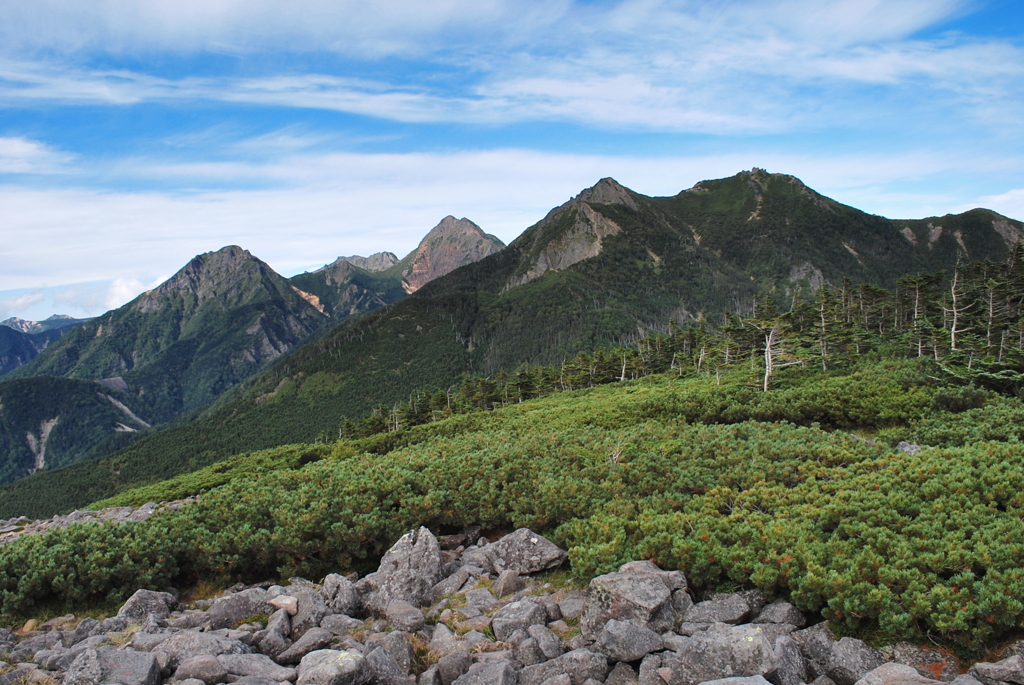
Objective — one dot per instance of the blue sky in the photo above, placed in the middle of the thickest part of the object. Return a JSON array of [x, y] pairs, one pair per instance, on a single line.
[[134, 135]]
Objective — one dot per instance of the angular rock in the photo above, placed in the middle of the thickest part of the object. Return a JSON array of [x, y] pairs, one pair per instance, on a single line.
[[382, 669], [816, 645], [571, 607], [497, 673], [409, 571], [339, 624], [728, 608], [146, 603], [256, 665], [88, 627], [456, 580], [524, 552], [579, 664], [128, 668], [332, 667], [481, 599], [430, 677], [650, 671], [508, 582], [930, 663], [674, 580], [1009, 670], [622, 674], [314, 639], [253, 680], [398, 645], [443, 640], [404, 616], [851, 659], [895, 674], [340, 595], [286, 602], [639, 597], [740, 680], [452, 666], [564, 680], [310, 611], [721, 652], [964, 679], [791, 667], [203, 667], [781, 611], [229, 611], [517, 615], [84, 670], [625, 641], [550, 645], [274, 640], [181, 646], [529, 653]]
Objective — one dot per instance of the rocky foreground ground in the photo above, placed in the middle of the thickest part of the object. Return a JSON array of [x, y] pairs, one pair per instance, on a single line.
[[466, 611]]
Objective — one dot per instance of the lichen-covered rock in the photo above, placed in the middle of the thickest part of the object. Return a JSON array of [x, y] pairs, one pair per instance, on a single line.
[[781, 611], [791, 667], [726, 608], [895, 674], [256, 665], [340, 595], [524, 552], [404, 616], [229, 611], [1009, 670], [639, 597], [579, 664], [181, 646], [497, 673], [408, 571], [517, 615], [202, 667], [314, 639], [145, 604], [332, 667], [721, 652], [625, 641], [851, 659]]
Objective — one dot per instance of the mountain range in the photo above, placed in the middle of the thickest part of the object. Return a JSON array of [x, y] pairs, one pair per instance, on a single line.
[[222, 318], [287, 360]]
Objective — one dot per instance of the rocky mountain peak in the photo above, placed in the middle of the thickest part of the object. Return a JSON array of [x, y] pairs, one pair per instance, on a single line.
[[222, 274], [449, 245], [376, 262], [22, 325], [608, 191]]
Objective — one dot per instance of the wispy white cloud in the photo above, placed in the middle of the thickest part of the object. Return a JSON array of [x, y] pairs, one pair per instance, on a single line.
[[318, 206], [729, 67], [25, 156]]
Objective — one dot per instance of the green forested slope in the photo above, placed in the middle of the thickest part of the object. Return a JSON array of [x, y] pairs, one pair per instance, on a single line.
[[608, 268], [735, 487]]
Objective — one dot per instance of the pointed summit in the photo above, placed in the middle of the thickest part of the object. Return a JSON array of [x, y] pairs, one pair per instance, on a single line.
[[608, 191], [449, 245]]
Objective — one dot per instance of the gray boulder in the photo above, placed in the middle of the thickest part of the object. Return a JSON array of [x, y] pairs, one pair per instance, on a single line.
[[781, 611], [203, 667], [517, 615], [637, 597], [550, 645], [229, 611], [496, 673], [128, 668], [382, 669], [482, 599], [928, 662], [674, 580], [625, 641], [398, 645], [314, 639], [721, 652], [409, 571], [256, 665], [622, 674], [146, 603], [310, 611], [528, 652], [404, 616], [181, 646], [791, 667], [740, 680], [524, 552], [274, 639], [340, 595], [726, 608], [454, 582], [816, 646], [339, 624], [253, 680], [895, 674], [452, 666], [332, 667], [1009, 670], [579, 665], [84, 670], [851, 659]]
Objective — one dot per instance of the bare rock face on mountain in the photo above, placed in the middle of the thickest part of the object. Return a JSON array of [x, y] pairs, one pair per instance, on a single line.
[[581, 239], [375, 262], [449, 245]]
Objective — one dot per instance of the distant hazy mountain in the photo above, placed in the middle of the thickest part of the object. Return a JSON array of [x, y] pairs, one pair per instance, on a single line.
[[54, 322], [352, 285], [223, 317]]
